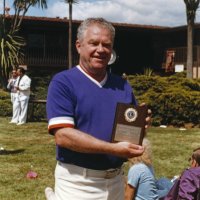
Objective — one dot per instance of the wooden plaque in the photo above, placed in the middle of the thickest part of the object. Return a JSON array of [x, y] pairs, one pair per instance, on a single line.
[[129, 123]]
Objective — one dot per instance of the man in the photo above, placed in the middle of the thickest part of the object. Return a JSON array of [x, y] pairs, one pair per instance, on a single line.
[[11, 83], [187, 186], [20, 106], [81, 105]]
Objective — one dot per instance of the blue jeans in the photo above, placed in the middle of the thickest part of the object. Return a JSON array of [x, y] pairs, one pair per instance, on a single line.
[[163, 185]]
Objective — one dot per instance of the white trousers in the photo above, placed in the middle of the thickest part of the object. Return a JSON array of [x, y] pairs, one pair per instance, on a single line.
[[12, 97], [70, 185], [20, 108]]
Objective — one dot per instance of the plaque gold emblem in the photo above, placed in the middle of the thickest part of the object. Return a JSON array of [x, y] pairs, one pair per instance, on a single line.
[[130, 114]]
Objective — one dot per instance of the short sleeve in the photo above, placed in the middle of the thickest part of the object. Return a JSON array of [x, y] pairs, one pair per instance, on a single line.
[[133, 176], [60, 104]]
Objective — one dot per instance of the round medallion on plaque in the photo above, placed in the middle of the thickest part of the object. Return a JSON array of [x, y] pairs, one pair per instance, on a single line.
[[130, 114]]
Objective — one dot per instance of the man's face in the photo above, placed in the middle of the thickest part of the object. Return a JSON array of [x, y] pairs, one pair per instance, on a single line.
[[14, 73], [95, 49], [19, 73], [193, 162]]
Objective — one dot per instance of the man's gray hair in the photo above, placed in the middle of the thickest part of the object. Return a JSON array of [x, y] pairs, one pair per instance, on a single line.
[[90, 21]]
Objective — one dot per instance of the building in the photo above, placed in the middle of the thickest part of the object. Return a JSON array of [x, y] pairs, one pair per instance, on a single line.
[[137, 46]]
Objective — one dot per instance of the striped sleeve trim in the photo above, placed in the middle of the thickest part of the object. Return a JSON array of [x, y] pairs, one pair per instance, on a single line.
[[60, 122]]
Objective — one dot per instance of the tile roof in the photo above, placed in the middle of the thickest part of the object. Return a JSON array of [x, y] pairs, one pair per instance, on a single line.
[[65, 19]]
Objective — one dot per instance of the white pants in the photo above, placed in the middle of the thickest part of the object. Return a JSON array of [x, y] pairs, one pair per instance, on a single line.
[[20, 108], [12, 97], [70, 185]]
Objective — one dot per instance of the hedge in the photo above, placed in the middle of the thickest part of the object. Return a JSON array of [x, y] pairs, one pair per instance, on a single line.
[[174, 100]]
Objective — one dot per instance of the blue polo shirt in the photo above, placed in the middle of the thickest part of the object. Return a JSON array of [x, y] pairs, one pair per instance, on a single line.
[[76, 100]]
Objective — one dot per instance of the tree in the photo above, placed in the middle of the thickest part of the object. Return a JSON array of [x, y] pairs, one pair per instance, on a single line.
[[11, 51], [191, 8], [70, 2]]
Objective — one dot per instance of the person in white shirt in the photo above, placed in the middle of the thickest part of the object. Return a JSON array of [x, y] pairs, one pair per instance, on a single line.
[[20, 106], [11, 83]]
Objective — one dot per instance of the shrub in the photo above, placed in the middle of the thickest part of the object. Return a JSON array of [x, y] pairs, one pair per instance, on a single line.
[[5, 107], [141, 83], [4, 94], [39, 87], [36, 113], [173, 100]]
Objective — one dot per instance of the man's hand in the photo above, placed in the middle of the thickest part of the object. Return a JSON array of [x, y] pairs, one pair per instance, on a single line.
[[128, 150]]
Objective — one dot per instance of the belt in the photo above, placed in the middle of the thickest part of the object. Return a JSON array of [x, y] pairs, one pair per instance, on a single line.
[[107, 174]]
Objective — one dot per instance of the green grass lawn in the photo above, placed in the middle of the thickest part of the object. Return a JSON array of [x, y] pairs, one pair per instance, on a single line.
[[27, 147], [172, 149], [30, 147]]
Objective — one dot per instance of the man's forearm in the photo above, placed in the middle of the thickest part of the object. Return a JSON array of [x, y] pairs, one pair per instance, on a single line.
[[79, 141]]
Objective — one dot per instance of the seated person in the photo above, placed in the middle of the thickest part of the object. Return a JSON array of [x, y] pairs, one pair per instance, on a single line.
[[141, 183], [187, 186]]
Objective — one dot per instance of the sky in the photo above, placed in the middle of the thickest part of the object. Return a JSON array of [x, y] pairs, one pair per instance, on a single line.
[[145, 12]]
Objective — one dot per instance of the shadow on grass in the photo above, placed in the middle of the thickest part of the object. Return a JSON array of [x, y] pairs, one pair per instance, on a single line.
[[10, 152]]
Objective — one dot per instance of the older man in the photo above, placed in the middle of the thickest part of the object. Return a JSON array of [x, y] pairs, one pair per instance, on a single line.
[[81, 107]]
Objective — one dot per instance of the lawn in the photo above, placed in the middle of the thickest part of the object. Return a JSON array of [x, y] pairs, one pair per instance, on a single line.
[[30, 147], [26, 148]]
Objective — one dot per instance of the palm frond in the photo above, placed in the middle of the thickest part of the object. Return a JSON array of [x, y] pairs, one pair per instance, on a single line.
[[71, 1], [191, 8]]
